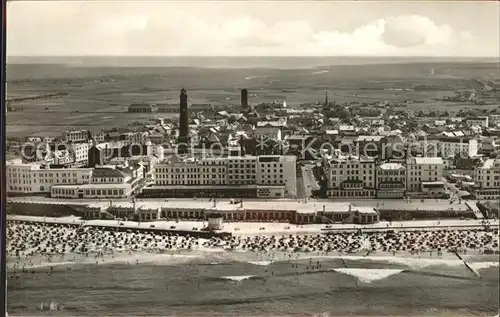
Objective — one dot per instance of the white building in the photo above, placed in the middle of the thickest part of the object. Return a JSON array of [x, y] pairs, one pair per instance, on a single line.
[[269, 175], [103, 182], [34, 178], [351, 177], [424, 176], [278, 170], [80, 152], [487, 180], [391, 180], [91, 191], [209, 171], [76, 136], [450, 147]]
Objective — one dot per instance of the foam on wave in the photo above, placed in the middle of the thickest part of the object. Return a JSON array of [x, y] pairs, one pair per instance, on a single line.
[[261, 263], [368, 275], [238, 278]]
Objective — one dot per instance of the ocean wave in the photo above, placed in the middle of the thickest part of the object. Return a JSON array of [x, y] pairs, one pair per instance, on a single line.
[[48, 264], [321, 72], [368, 275], [433, 274], [483, 265], [238, 278], [252, 77], [414, 263], [261, 263]]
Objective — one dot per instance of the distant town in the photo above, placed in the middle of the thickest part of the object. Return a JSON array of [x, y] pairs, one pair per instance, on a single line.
[[328, 151]]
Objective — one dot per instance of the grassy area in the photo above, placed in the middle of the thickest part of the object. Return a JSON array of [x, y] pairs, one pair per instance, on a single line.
[[98, 97]]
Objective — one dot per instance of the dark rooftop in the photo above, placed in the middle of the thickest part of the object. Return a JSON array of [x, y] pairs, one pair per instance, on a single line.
[[106, 172]]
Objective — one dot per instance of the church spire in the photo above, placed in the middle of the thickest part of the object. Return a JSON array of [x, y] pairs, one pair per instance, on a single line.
[[326, 98]]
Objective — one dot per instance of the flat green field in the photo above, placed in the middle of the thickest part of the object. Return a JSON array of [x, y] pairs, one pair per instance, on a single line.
[[98, 97]]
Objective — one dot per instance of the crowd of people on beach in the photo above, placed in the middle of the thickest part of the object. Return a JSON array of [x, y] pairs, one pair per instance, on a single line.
[[27, 239]]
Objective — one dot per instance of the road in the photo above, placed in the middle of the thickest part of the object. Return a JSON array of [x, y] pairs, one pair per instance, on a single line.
[[310, 183], [442, 203], [452, 188]]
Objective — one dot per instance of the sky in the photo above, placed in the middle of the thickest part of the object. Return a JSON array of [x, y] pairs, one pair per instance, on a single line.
[[253, 28]]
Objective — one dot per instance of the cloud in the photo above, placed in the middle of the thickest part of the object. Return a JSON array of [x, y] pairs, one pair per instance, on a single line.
[[73, 28], [415, 30]]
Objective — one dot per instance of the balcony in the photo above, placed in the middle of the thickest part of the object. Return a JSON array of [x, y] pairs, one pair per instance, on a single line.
[[392, 186], [352, 185]]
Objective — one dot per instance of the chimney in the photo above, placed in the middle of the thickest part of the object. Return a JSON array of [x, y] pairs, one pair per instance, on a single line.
[[241, 203]]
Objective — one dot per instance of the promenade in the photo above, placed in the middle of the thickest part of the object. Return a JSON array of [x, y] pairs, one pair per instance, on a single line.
[[382, 204], [266, 228]]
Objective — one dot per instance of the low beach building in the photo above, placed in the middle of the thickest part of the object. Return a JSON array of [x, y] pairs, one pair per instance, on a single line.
[[148, 214]]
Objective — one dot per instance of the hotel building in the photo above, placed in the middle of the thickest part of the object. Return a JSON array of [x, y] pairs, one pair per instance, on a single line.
[[424, 176], [351, 177], [487, 180], [270, 176], [102, 182], [391, 180], [450, 147]]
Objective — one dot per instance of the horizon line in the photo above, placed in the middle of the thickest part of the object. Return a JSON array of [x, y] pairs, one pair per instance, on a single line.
[[257, 56]]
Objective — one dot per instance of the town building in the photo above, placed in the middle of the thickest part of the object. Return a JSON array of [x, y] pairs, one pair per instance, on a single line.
[[80, 152], [424, 176], [487, 180], [351, 177], [477, 121], [76, 136], [268, 130], [450, 147], [101, 154], [142, 107], [134, 137], [391, 180]]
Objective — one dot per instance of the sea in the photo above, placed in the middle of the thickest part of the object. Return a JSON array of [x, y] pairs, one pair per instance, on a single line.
[[225, 284]]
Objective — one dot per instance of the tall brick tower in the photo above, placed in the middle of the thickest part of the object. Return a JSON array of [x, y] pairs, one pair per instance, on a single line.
[[244, 99], [183, 139]]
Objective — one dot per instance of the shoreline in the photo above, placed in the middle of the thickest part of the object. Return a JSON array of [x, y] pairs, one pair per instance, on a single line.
[[411, 261]]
